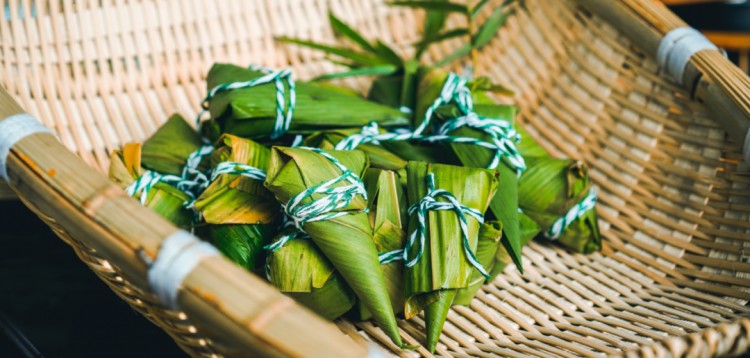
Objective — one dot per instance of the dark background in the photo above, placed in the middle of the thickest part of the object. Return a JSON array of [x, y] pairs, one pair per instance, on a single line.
[[52, 305], [50, 297]]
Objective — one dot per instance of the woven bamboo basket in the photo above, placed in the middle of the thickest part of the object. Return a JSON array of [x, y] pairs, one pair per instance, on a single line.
[[673, 278]]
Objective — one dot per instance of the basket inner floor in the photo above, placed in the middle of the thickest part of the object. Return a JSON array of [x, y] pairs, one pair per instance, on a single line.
[[673, 203]]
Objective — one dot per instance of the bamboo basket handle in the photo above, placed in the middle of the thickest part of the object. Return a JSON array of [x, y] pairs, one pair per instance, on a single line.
[[709, 76], [224, 301]]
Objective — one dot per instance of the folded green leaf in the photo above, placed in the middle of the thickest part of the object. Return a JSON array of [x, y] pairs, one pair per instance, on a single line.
[[243, 244], [167, 150], [505, 203], [443, 267], [162, 198], [388, 217], [347, 240], [379, 156], [529, 230], [234, 198], [301, 271], [488, 243], [549, 189], [252, 112], [386, 90]]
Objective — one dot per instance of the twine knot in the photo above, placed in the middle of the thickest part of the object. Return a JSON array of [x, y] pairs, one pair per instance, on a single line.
[[430, 203], [283, 120], [331, 197]]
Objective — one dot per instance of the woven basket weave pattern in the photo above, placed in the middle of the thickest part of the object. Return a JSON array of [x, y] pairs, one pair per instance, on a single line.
[[674, 208]]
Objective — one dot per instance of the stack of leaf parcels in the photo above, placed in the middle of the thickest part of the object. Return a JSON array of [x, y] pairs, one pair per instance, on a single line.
[[404, 203]]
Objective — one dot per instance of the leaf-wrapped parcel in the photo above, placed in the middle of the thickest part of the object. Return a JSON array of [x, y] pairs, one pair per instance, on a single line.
[[387, 205], [163, 198], [234, 197], [242, 216], [301, 271], [379, 156], [557, 186], [444, 266], [548, 190], [505, 203], [345, 237], [252, 112], [168, 149]]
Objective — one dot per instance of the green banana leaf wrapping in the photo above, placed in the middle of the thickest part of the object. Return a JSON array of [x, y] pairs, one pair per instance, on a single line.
[[494, 256], [164, 199], [301, 271], [529, 230], [241, 243], [242, 215], [488, 243], [397, 89], [387, 204], [572, 182], [251, 112], [347, 240], [167, 150], [379, 156], [234, 198], [548, 189], [444, 268], [505, 203]]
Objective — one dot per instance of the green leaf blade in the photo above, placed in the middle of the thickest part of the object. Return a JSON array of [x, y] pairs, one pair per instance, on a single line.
[[341, 28], [489, 28], [358, 57], [361, 71], [445, 6]]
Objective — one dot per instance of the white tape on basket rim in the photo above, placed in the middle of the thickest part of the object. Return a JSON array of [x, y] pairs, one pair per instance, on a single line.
[[12, 130], [746, 147], [677, 47], [179, 254]]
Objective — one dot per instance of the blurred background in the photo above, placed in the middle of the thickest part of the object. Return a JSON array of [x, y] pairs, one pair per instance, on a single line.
[[51, 305]]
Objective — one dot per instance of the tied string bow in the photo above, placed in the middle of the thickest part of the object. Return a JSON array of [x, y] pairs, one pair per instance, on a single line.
[[418, 237], [331, 196], [576, 212], [501, 132], [283, 120]]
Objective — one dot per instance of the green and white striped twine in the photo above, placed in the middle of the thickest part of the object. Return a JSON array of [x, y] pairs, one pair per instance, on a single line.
[[240, 169], [430, 203], [283, 120], [193, 180], [146, 182], [576, 212], [503, 135], [333, 197]]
